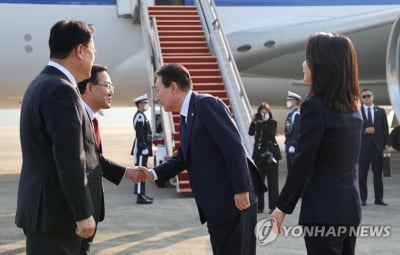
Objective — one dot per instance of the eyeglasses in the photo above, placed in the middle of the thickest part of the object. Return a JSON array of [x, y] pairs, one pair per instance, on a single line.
[[109, 86], [366, 96]]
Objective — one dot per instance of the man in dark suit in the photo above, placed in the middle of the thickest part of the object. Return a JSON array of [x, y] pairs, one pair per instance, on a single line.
[[375, 142], [55, 206], [224, 180], [97, 93]]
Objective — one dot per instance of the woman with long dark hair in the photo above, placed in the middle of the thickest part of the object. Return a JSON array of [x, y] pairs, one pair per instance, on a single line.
[[324, 170], [266, 153]]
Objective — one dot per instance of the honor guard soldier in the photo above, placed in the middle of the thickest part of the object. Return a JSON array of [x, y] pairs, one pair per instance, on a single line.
[[141, 149], [292, 126]]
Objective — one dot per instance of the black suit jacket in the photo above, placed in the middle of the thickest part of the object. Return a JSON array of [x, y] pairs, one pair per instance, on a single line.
[[97, 166], [216, 160], [381, 136], [325, 167], [53, 193]]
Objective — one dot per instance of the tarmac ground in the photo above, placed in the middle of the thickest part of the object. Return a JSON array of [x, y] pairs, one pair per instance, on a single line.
[[171, 225]]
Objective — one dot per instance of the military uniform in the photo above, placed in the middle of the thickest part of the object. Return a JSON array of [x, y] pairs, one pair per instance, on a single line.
[[292, 129], [142, 148]]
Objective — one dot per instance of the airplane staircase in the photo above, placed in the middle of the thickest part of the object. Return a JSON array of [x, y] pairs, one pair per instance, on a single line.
[[182, 41], [180, 37]]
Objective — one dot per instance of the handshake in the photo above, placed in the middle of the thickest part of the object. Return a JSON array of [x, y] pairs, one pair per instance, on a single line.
[[138, 174]]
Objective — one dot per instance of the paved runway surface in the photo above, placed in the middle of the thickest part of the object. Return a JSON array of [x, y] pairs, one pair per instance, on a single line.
[[170, 225]]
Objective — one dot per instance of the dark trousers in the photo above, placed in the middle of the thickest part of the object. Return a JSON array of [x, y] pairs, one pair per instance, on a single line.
[[372, 157], [236, 235], [141, 160], [49, 244], [343, 244], [273, 185], [271, 172]]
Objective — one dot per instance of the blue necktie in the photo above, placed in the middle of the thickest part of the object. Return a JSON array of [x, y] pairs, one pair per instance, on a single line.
[[182, 131], [370, 122]]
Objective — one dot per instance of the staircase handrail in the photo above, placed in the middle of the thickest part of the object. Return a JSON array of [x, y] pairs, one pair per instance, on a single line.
[[155, 61], [233, 83]]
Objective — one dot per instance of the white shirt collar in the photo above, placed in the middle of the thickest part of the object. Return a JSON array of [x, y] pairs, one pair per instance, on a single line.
[[366, 107], [185, 105], [89, 110], [64, 71]]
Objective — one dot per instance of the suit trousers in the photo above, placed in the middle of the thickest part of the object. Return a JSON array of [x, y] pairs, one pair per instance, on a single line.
[[329, 244], [49, 244], [141, 160], [372, 157], [236, 235]]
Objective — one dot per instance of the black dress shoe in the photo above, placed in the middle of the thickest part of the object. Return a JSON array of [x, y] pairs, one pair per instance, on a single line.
[[363, 203], [143, 200], [380, 203], [149, 198]]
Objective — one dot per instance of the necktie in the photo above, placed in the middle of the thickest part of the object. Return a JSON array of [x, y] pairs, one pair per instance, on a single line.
[[370, 122], [97, 132], [182, 130]]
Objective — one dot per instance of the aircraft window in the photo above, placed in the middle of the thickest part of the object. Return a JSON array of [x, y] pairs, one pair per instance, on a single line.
[[269, 44], [244, 48]]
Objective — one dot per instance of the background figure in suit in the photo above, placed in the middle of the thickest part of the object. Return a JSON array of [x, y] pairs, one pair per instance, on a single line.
[[263, 128], [97, 93], [55, 207], [292, 127], [224, 180], [142, 149], [330, 130], [375, 142]]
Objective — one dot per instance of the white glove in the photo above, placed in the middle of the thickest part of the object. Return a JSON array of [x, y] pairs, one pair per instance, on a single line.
[[145, 152], [292, 149]]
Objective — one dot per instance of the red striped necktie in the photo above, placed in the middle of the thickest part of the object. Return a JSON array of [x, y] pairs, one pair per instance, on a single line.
[[97, 132]]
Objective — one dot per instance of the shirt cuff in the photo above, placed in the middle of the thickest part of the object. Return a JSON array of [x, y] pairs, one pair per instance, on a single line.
[[154, 174]]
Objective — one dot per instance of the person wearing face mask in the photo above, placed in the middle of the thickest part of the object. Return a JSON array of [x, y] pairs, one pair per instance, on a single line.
[[141, 149], [266, 153], [292, 127]]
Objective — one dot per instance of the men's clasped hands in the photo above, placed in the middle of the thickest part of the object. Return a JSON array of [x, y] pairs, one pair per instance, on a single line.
[[138, 174]]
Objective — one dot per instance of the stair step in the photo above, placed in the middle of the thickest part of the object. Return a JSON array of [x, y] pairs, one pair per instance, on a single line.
[[190, 28], [183, 59], [178, 22], [193, 66], [183, 44], [195, 38], [220, 94], [181, 33], [216, 78], [180, 17], [193, 54], [172, 7], [185, 50], [208, 86], [206, 72], [172, 13]]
